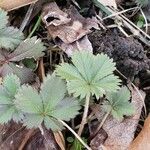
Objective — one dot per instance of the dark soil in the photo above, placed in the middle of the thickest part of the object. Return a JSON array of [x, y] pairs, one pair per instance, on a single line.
[[128, 53]]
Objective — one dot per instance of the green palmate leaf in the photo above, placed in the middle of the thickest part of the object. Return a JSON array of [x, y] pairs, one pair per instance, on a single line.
[[11, 84], [69, 108], [29, 100], [8, 90], [3, 18], [89, 74], [118, 103], [52, 91], [46, 106], [10, 37], [30, 48]]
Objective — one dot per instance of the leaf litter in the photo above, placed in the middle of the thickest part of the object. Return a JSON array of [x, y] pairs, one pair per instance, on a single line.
[[70, 31]]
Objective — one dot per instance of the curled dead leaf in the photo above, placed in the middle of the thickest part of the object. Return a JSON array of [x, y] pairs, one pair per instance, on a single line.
[[68, 28]]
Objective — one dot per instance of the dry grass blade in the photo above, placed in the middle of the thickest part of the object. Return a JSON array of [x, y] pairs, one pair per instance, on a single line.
[[14, 4]]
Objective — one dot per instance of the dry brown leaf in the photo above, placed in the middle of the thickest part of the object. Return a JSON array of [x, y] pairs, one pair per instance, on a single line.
[[111, 3], [121, 134], [68, 28], [142, 142], [14, 4]]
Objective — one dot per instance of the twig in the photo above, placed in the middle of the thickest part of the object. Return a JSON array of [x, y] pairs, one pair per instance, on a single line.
[[75, 134], [133, 28], [27, 17], [83, 122], [102, 122], [118, 13]]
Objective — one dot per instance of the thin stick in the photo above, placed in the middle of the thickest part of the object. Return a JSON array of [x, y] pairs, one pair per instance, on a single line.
[[118, 13], [75, 134], [102, 122], [83, 122], [27, 17]]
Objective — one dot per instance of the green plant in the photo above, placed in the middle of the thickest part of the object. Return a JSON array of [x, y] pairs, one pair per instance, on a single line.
[[89, 75], [140, 21], [46, 106], [118, 104], [13, 50], [8, 89], [10, 37], [44, 110]]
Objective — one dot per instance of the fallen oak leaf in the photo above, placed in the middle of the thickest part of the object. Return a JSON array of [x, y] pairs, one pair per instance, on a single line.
[[142, 140]]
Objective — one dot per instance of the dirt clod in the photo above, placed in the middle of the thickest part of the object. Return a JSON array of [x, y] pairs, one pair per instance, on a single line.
[[128, 53]]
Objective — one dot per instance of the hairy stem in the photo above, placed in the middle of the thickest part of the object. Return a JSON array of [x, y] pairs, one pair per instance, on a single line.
[[49, 138], [84, 118], [75, 134], [102, 122]]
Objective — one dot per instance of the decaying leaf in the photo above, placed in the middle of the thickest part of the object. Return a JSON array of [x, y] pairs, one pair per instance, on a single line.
[[120, 134], [14, 4], [142, 141], [68, 27]]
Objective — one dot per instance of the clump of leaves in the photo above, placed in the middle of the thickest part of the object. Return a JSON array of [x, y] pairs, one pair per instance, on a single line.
[[8, 89], [89, 75], [118, 103], [10, 37], [46, 106], [30, 48]]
